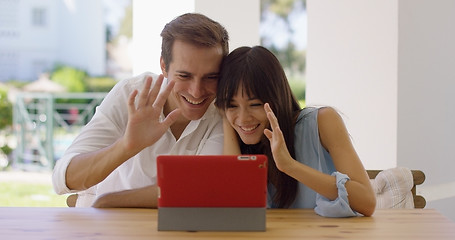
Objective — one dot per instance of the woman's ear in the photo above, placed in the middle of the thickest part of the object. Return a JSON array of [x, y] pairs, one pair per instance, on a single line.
[[163, 67]]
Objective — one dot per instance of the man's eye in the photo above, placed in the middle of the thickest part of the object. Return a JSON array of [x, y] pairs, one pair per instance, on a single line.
[[183, 76]]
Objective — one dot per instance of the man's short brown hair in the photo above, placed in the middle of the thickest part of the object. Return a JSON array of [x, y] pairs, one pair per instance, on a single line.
[[193, 28]]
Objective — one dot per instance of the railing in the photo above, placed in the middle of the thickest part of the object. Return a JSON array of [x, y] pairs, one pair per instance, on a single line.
[[46, 123]]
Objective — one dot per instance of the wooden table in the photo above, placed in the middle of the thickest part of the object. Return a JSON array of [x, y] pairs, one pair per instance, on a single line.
[[91, 223]]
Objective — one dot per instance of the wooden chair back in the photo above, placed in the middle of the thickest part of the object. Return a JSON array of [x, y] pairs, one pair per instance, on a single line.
[[71, 200], [418, 178]]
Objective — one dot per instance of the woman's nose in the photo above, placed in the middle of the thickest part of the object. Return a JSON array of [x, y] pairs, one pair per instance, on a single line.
[[244, 115]]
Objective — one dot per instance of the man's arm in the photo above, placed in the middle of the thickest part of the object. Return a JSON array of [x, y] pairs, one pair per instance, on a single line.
[[146, 197], [88, 169]]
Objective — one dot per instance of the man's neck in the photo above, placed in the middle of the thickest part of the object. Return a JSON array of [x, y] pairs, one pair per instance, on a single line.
[[178, 126]]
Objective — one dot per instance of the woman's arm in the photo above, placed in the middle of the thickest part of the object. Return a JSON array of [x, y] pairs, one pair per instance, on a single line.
[[335, 139], [231, 143]]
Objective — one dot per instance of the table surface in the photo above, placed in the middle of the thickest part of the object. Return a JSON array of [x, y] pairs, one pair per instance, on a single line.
[[92, 223]]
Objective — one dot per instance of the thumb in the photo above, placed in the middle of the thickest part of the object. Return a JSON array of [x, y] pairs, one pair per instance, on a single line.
[[172, 117], [268, 134]]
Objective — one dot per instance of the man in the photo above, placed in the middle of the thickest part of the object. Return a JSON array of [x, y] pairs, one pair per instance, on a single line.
[[113, 160]]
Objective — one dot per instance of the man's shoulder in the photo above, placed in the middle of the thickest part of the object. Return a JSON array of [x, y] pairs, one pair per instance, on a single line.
[[212, 114]]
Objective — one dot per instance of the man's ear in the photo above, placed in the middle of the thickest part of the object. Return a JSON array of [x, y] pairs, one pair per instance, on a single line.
[[163, 67]]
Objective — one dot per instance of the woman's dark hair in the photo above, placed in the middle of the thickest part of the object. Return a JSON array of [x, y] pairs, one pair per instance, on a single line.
[[193, 28], [261, 75]]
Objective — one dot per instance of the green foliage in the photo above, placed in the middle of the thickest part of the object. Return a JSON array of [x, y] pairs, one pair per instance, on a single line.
[[71, 78], [298, 87], [292, 59], [281, 7], [126, 27], [100, 84], [6, 149], [22, 194], [6, 109], [17, 83]]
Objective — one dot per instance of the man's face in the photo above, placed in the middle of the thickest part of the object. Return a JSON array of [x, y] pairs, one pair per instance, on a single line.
[[195, 71]]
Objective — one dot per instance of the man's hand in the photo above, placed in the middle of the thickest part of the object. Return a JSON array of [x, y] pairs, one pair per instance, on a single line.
[[143, 129], [146, 197], [144, 125]]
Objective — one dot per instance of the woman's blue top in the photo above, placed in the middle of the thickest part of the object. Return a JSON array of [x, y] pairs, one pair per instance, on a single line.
[[309, 151]]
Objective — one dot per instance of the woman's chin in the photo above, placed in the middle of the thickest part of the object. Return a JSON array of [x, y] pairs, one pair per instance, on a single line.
[[251, 141]]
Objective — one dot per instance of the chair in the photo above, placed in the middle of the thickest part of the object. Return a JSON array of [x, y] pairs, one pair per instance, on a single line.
[[418, 178], [71, 200]]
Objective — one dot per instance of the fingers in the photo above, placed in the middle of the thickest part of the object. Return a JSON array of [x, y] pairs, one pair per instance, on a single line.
[[162, 97], [275, 131], [268, 134], [131, 107], [155, 90], [171, 117], [148, 95], [271, 116], [143, 96]]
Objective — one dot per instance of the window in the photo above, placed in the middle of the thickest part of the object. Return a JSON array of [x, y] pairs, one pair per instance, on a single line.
[[39, 17]]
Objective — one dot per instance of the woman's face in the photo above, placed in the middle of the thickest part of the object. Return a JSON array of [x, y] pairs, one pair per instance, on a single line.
[[247, 116]]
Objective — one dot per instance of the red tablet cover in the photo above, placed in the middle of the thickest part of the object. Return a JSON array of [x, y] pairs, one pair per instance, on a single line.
[[212, 181]]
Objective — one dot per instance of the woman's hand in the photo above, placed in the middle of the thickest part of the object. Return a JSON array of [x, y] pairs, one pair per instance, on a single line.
[[231, 143], [144, 127], [283, 159]]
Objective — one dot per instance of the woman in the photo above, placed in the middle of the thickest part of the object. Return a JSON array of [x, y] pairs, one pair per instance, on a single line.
[[312, 162]]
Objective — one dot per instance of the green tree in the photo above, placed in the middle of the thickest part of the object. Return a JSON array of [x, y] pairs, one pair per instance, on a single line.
[[292, 59], [6, 109], [71, 78], [100, 84]]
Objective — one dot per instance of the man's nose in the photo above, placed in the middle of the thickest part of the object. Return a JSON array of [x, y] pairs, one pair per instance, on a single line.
[[197, 88]]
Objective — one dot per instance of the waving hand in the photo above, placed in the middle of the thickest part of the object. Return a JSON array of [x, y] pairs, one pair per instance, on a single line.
[[277, 143], [144, 125]]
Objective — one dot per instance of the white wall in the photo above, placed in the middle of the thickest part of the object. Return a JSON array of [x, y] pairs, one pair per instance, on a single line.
[[426, 86], [149, 19], [352, 66], [388, 66]]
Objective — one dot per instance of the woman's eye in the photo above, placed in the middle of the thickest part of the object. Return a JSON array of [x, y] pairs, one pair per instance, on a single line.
[[256, 104], [231, 105]]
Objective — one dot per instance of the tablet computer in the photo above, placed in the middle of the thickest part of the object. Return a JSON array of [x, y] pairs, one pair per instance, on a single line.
[[212, 192]]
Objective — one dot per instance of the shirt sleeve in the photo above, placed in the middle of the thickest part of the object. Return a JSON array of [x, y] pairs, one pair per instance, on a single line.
[[214, 143], [106, 126], [338, 207]]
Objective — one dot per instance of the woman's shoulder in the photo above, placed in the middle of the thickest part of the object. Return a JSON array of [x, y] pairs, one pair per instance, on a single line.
[[318, 111], [312, 111], [317, 115]]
